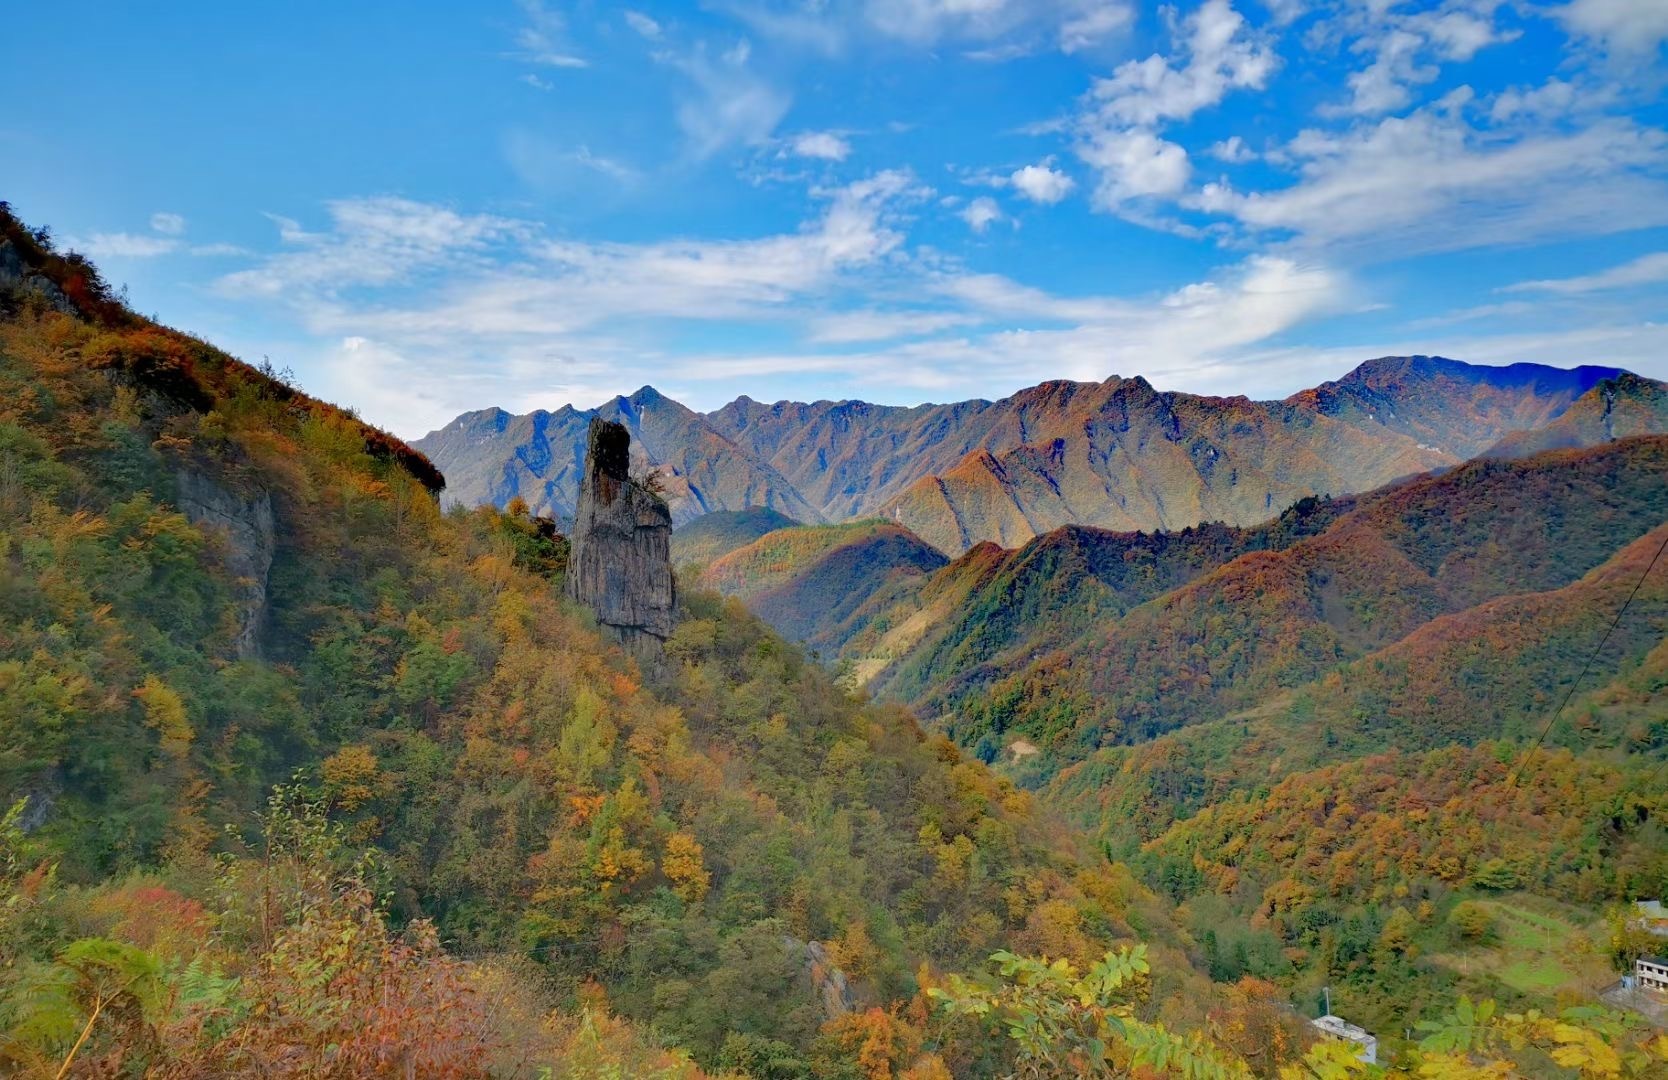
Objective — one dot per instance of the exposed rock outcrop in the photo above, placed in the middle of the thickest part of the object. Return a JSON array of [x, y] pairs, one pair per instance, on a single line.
[[829, 987], [620, 565], [245, 525], [15, 276]]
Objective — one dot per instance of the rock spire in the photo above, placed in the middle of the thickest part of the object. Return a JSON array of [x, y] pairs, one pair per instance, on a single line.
[[620, 565]]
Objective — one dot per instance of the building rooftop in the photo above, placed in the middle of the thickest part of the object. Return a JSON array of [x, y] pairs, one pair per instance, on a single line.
[[1343, 1029]]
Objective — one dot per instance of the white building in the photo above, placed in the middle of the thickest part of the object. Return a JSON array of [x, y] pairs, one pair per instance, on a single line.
[[1651, 973], [1337, 1027]]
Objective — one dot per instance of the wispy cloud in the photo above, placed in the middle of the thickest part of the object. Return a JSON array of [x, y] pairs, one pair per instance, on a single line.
[[1232, 150], [123, 245], [643, 24], [1630, 27], [731, 104], [1645, 270], [542, 39], [371, 242], [1430, 181], [164, 239], [409, 296]]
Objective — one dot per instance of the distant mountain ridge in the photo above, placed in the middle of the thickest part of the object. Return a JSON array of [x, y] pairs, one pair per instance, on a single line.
[[1117, 454]]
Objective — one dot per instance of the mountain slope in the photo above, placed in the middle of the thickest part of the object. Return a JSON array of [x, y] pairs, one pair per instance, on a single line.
[[1117, 454], [802, 579], [1459, 409], [1496, 671], [729, 845], [1614, 409], [1123, 456], [1278, 619], [992, 604], [698, 542]]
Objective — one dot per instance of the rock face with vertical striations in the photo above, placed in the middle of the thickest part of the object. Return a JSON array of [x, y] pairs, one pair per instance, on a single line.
[[621, 563], [244, 520]]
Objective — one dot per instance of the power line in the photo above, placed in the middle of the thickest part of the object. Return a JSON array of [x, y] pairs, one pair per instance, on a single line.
[[1588, 666]]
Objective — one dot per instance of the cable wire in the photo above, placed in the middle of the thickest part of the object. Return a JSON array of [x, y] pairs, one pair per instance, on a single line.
[[1588, 666]]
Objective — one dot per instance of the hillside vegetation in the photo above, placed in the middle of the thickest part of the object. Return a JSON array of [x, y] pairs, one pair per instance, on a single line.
[[304, 776], [732, 852], [699, 542], [1304, 730]]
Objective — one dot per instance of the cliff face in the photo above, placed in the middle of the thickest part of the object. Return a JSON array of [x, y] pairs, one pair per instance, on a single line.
[[245, 523], [621, 563]]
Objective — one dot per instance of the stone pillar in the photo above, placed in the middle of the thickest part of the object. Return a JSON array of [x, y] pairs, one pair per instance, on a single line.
[[620, 562]]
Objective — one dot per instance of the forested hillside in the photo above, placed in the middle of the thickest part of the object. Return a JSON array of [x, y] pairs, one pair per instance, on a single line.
[[213, 585], [699, 542], [1340, 728], [306, 777]]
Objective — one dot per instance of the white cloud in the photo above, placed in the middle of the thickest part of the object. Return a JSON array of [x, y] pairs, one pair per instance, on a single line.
[[537, 82], [1070, 25], [1117, 135], [1555, 97], [1042, 183], [1385, 84], [543, 40], [1645, 270], [432, 311], [607, 166], [1232, 150], [1199, 337], [1460, 35], [1624, 26], [167, 224], [981, 213], [825, 145], [1134, 164], [544, 286], [374, 241], [1223, 54], [1430, 182], [870, 325], [643, 24], [732, 104], [121, 245], [1407, 48], [1093, 24]]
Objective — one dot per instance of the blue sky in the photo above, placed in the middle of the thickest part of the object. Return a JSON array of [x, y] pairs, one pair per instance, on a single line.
[[423, 208]]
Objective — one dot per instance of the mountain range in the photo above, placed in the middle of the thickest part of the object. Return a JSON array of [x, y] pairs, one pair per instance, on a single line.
[[1117, 454]]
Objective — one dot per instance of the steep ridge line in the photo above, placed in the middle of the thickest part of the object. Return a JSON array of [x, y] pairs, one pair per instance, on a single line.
[[1118, 454]]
